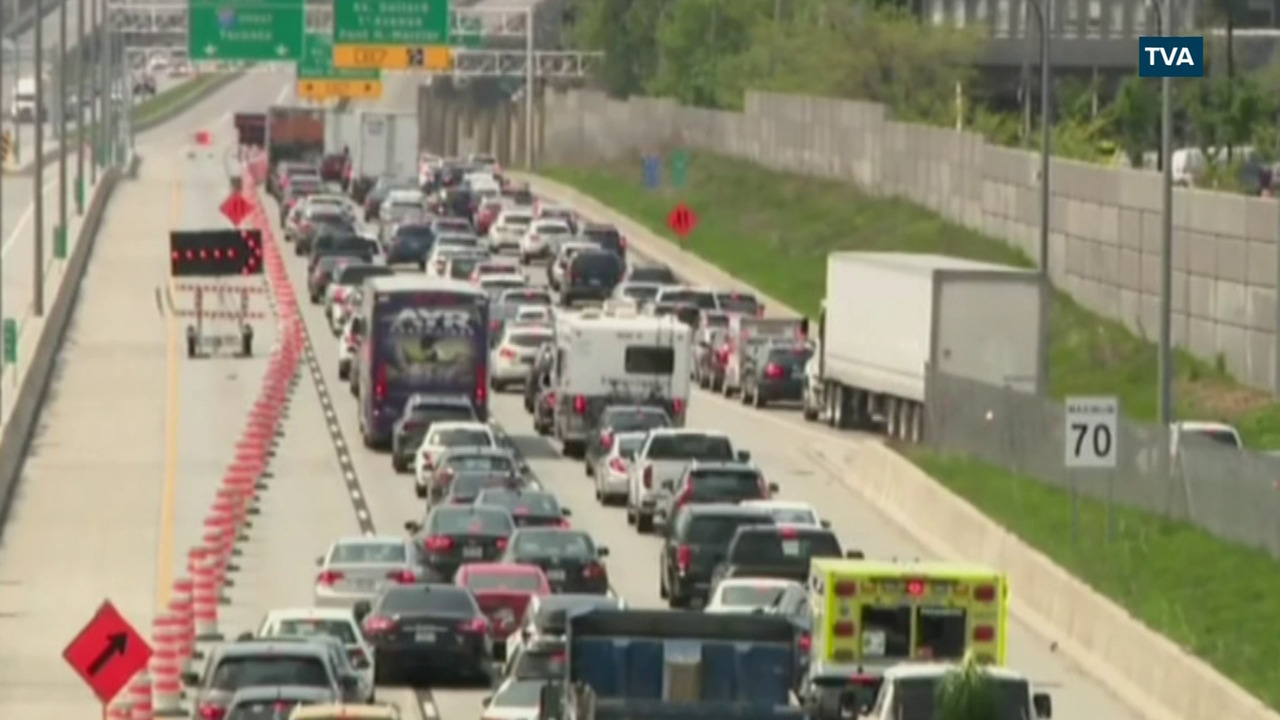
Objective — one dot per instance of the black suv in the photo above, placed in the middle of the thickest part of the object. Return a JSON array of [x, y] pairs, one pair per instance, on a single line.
[[696, 542], [775, 373], [607, 237], [590, 275]]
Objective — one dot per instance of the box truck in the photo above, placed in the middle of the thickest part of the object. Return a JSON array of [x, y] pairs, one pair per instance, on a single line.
[[888, 319]]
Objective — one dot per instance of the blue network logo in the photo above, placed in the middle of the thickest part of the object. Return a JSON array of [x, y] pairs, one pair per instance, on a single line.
[[226, 18], [1170, 56]]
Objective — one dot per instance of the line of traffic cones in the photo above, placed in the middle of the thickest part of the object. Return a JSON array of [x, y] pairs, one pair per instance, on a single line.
[[191, 617]]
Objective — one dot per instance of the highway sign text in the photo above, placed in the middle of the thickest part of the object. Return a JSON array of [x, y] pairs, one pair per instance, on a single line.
[[1091, 432], [318, 79], [391, 34], [236, 30]]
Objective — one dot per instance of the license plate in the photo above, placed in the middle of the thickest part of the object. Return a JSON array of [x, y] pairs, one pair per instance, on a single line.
[[424, 636], [472, 553], [365, 584], [797, 373], [557, 575], [527, 361]]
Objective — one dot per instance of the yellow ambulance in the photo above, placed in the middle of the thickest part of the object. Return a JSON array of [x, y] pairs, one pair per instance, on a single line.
[[869, 615]]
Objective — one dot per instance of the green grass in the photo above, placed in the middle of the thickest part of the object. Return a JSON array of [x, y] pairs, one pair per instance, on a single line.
[[179, 95], [774, 230]]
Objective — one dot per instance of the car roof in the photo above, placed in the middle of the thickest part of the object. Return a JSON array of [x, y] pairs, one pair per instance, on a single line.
[[502, 568], [369, 540], [433, 399], [474, 449], [758, 582], [780, 505], [272, 692], [722, 465], [341, 710], [461, 425], [687, 431], [644, 409], [296, 647], [311, 613], [725, 510]]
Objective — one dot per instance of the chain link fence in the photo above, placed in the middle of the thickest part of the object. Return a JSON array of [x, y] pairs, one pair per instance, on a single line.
[[1230, 493]]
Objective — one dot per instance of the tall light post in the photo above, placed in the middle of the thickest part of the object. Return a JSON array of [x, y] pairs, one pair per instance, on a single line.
[[1042, 20], [1165, 361]]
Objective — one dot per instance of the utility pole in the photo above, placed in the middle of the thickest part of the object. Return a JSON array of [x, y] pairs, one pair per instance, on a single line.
[[94, 94], [4, 27], [37, 190], [80, 107], [62, 120]]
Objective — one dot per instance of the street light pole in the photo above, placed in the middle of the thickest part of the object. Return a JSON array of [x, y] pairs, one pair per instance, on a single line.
[[62, 120], [1042, 19], [94, 93], [530, 79], [37, 190], [81, 63], [1163, 16]]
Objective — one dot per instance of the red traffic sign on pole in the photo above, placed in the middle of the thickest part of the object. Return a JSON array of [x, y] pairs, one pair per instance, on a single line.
[[107, 653], [682, 220], [235, 208]]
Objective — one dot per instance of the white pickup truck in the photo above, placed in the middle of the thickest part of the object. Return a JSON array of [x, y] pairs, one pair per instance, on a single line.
[[664, 455], [909, 691]]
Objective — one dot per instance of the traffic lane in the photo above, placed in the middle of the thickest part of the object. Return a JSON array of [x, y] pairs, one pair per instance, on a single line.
[[258, 88], [83, 526], [217, 391], [50, 27], [386, 496]]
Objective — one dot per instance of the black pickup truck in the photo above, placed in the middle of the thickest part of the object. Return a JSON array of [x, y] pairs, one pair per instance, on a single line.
[[776, 551]]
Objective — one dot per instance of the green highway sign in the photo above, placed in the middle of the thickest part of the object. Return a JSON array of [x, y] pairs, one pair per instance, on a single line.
[[469, 33], [317, 62], [391, 22], [245, 30]]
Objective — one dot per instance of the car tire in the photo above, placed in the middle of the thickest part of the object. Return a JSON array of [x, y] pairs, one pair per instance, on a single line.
[[344, 372], [631, 514], [644, 523], [590, 472], [573, 449], [757, 401]]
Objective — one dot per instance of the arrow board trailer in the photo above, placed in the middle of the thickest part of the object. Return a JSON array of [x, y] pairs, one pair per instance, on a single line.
[[608, 360], [890, 318]]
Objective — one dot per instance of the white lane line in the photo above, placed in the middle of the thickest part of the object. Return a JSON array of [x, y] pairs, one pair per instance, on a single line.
[[24, 218], [429, 710]]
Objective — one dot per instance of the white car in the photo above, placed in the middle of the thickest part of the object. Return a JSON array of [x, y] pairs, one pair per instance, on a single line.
[[641, 293], [789, 512], [506, 231], [438, 261], [542, 238], [341, 309], [543, 210], [496, 284], [337, 623], [402, 203], [444, 435], [348, 344], [533, 315], [512, 358], [612, 472], [515, 699], [497, 268], [743, 596], [544, 618]]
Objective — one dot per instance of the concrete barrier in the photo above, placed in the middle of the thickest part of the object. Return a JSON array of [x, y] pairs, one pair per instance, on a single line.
[[21, 424], [1145, 670]]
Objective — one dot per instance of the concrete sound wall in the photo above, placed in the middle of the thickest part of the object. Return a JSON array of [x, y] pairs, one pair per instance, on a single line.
[[1105, 222]]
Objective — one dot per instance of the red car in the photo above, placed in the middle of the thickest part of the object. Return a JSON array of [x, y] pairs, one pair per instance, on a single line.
[[503, 591], [486, 215]]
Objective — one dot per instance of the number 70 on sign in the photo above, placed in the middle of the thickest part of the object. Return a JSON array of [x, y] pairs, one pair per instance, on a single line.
[[1091, 431]]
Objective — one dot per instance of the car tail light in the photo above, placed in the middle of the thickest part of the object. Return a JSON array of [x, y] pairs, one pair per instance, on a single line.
[[788, 532], [437, 543], [984, 593], [212, 711], [427, 461], [806, 642], [760, 313], [564, 523], [482, 389], [329, 577], [846, 588], [501, 544], [339, 294], [764, 487], [444, 476], [677, 405], [844, 628], [606, 440], [551, 399], [358, 659], [622, 242], [594, 570], [495, 325], [380, 384], [684, 557], [403, 577], [580, 404], [722, 355], [648, 477], [686, 495], [774, 371], [375, 624], [984, 633], [618, 465], [507, 353], [478, 626]]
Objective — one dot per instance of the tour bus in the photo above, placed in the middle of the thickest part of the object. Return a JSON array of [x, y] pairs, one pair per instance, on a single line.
[[422, 335]]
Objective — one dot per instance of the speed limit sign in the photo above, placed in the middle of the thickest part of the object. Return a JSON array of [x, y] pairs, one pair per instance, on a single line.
[[1091, 432]]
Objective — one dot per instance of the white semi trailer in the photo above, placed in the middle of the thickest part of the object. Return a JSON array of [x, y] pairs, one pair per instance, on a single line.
[[888, 318]]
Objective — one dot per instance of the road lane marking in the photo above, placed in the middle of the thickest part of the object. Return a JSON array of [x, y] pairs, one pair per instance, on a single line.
[[25, 218], [164, 544]]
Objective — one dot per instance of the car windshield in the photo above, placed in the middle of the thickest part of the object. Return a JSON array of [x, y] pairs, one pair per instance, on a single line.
[[718, 529], [784, 545], [518, 694], [551, 229], [540, 662], [640, 293], [453, 226], [632, 420], [443, 599], [479, 463], [738, 303], [500, 580], [690, 446], [356, 274], [517, 220], [270, 669], [724, 483], [659, 274], [529, 340], [450, 521], [359, 553], [554, 544], [413, 233], [341, 630], [918, 698], [750, 595], [422, 415], [521, 503], [793, 516], [470, 484], [700, 299], [629, 445], [460, 438]]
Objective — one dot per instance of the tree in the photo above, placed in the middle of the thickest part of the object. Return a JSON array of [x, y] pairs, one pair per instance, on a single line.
[[967, 693], [1136, 112]]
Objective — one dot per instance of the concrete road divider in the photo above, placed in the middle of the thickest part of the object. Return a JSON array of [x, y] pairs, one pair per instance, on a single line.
[[1145, 670]]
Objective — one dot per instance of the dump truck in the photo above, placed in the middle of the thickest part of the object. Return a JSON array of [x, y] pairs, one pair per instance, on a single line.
[[294, 133], [890, 319], [662, 664]]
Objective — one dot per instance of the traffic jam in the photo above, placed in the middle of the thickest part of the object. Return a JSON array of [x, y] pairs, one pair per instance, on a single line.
[[454, 299]]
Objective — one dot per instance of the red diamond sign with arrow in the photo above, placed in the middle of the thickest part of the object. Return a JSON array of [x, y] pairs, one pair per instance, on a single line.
[[682, 220], [235, 208], [107, 653]]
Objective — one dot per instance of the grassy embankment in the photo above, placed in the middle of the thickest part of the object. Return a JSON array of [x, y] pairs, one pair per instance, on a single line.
[[775, 230]]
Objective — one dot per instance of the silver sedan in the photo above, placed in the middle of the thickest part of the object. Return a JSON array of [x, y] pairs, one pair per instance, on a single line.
[[358, 568]]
